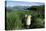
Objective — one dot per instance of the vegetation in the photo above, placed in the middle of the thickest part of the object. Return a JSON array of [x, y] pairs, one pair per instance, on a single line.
[[14, 18]]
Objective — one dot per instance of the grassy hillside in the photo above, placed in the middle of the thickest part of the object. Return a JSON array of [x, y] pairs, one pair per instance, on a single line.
[[14, 18]]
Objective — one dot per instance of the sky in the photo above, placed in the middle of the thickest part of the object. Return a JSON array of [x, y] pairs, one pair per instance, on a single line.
[[22, 3]]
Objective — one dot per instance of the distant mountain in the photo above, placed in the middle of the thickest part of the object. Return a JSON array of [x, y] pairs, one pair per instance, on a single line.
[[18, 7], [41, 7], [25, 8]]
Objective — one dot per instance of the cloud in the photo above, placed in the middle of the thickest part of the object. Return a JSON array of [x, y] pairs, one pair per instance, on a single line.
[[22, 3]]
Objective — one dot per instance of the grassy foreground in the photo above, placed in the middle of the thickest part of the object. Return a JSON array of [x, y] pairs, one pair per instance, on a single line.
[[14, 20]]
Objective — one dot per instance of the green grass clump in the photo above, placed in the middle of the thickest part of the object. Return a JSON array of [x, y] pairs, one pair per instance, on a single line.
[[14, 20]]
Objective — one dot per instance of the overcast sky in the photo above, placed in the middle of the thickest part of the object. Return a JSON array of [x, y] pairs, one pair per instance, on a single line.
[[22, 3]]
